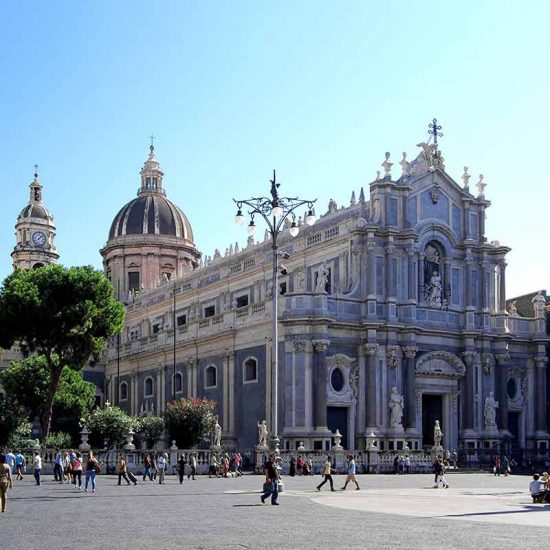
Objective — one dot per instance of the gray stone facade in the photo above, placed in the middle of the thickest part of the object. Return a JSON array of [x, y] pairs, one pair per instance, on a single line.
[[415, 300]]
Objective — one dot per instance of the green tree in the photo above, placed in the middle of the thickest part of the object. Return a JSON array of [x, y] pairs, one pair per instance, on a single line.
[[109, 424], [64, 314], [13, 423], [151, 428], [190, 420], [27, 382]]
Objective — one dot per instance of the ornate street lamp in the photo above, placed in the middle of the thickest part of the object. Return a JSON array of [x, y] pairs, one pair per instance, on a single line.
[[275, 211]]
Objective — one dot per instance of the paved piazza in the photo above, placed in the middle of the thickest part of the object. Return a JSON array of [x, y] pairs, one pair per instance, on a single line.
[[478, 511]]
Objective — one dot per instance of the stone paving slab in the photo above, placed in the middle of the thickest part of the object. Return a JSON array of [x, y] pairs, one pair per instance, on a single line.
[[389, 512]]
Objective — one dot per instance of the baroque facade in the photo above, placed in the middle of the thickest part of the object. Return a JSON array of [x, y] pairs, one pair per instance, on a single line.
[[393, 315]]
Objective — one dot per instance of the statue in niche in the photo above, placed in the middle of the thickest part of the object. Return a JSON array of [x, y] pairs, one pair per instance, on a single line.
[[490, 411], [513, 309], [432, 262], [396, 404], [539, 305], [438, 434], [433, 291], [322, 278], [262, 433]]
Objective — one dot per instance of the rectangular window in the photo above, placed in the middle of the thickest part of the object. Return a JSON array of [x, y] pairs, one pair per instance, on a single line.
[[209, 311], [133, 280], [242, 301], [181, 320], [282, 289], [156, 328], [166, 275]]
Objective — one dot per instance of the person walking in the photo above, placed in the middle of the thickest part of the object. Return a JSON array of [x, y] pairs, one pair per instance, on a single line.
[[92, 469], [327, 471], [10, 461], [214, 464], [193, 465], [37, 465], [122, 470], [66, 467], [182, 462], [161, 466], [271, 481], [351, 474], [147, 468], [292, 467], [5, 482], [154, 466], [19, 464], [76, 467], [505, 466], [58, 466], [496, 468], [439, 471]]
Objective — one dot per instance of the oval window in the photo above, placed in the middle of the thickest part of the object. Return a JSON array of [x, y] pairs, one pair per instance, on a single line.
[[512, 388], [337, 380]]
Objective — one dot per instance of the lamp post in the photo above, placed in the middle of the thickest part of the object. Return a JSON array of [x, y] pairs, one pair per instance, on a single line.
[[275, 211], [174, 344]]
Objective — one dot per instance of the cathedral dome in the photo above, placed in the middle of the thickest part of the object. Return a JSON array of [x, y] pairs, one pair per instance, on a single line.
[[151, 214]]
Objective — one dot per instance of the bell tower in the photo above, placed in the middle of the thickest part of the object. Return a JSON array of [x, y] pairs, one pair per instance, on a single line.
[[34, 232]]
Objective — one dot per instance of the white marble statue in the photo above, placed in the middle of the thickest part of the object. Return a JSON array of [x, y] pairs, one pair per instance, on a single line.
[[539, 304], [513, 310], [438, 434], [322, 278], [433, 294], [490, 411], [217, 436], [262, 433], [396, 404]]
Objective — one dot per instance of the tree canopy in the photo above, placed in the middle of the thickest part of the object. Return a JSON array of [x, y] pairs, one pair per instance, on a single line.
[[190, 420], [64, 314], [27, 383]]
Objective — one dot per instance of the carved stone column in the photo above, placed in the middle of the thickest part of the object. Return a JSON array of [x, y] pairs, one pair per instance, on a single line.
[[468, 281], [370, 384], [421, 288], [502, 360], [411, 294], [540, 376], [320, 347], [468, 393], [502, 280], [134, 408], [297, 365], [159, 389], [390, 250], [371, 269], [409, 379]]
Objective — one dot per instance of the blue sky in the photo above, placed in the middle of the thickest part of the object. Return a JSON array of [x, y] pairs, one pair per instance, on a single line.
[[319, 90]]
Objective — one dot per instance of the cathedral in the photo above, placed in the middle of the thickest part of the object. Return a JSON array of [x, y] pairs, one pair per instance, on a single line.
[[392, 315]]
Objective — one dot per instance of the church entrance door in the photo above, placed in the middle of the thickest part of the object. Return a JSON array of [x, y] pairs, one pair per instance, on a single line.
[[432, 410], [337, 418]]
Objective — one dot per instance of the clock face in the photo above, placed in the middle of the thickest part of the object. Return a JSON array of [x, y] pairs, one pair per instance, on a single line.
[[38, 238]]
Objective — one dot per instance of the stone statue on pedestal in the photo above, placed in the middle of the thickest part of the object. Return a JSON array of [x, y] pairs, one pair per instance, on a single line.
[[438, 434], [262, 433], [490, 411], [539, 305], [217, 434], [396, 404]]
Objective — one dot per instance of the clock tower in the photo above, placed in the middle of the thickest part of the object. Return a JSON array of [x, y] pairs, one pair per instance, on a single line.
[[34, 233]]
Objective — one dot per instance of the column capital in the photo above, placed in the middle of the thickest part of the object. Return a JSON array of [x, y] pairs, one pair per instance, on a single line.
[[389, 248], [190, 363], [392, 354], [540, 360], [134, 374], [469, 357], [370, 349], [410, 252], [410, 351], [321, 345], [502, 358], [299, 345]]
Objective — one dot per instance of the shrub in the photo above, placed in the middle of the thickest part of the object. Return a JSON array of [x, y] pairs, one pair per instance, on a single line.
[[190, 421], [151, 428], [57, 440], [110, 425]]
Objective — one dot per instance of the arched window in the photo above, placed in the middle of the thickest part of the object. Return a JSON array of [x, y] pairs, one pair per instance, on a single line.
[[123, 389], [148, 387], [211, 377], [179, 382], [250, 370]]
